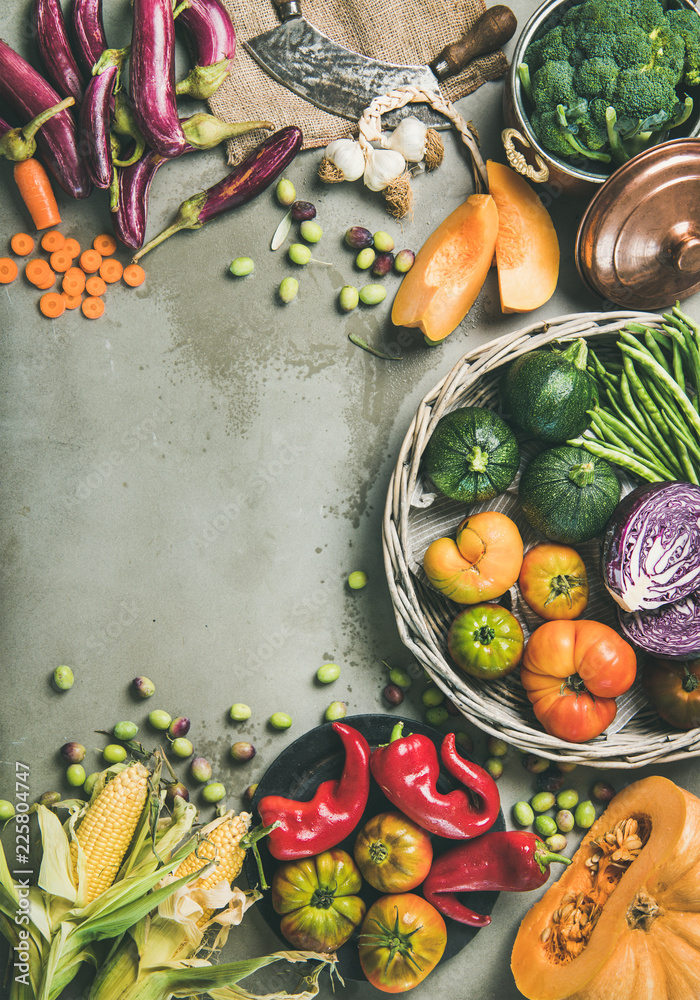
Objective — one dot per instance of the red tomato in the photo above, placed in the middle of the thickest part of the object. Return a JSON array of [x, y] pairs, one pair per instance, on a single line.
[[572, 672], [401, 940], [553, 581]]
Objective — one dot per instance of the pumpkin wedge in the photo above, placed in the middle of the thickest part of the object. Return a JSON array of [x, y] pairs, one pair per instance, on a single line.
[[527, 248], [449, 270], [623, 920]]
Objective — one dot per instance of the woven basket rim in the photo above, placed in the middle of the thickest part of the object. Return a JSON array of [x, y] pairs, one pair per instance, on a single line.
[[483, 704]]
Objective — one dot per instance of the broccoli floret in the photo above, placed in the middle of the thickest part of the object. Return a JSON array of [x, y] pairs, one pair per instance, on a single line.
[[549, 48], [596, 77], [559, 136], [593, 131], [649, 14], [553, 84], [632, 46], [668, 52], [644, 95], [686, 24]]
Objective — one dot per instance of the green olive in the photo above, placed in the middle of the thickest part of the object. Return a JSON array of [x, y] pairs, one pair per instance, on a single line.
[[286, 192], [159, 719], [328, 673], [241, 266], [584, 814], [556, 843], [564, 819], [567, 798], [400, 677], [496, 747], [545, 825], [280, 720], [372, 295], [213, 792], [357, 580], [299, 254], [310, 231], [365, 258], [7, 810], [523, 814], [383, 242], [75, 775], [240, 712], [432, 696], [201, 769], [436, 715], [494, 767], [288, 289], [113, 753], [349, 298], [182, 747], [336, 710], [125, 730], [90, 782], [542, 801], [63, 678]]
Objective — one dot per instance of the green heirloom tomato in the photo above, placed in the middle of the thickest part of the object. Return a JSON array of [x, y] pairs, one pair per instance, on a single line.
[[486, 641], [316, 898]]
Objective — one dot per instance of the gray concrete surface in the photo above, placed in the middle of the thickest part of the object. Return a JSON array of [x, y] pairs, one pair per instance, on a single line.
[[188, 481]]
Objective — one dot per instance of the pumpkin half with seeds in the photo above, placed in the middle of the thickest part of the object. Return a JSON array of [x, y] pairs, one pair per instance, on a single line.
[[623, 920]]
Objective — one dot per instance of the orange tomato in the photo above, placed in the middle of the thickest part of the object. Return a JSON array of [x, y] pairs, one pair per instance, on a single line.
[[481, 563], [401, 940], [572, 672], [553, 581]]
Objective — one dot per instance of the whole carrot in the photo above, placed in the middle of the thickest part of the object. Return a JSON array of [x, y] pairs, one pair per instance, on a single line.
[[37, 194]]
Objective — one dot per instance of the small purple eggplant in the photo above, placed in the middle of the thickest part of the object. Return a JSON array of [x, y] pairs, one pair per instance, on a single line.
[[88, 33], [55, 51], [28, 94], [130, 197], [211, 39], [152, 76], [246, 181], [18, 144], [94, 120]]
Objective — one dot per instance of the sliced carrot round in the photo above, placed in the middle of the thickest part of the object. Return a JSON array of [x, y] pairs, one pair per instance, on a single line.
[[22, 244], [72, 247], [72, 301], [37, 270], [95, 285], [90, 261], [8, 270], [60, 260], [52, 304], [134, 275], [73, 281], [111, 270], [105, 244], [52, 240], [92, 307]]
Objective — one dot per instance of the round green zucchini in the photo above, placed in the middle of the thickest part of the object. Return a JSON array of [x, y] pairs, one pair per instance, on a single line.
[[546, 393], [472, 455], [567, 494]]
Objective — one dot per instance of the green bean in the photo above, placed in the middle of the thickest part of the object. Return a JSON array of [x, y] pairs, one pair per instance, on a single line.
[[619, 433], [653, 347], [674, 419], [626, 461], [688, 468], [678, 372], [650, 414], [676, 391]]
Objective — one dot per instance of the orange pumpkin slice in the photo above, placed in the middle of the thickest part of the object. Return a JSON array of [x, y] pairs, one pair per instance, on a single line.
[[623, 920], [527, 248], [449, 270]]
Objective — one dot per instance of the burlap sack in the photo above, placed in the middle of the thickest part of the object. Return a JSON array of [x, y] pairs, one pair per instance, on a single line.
[[391, 30]]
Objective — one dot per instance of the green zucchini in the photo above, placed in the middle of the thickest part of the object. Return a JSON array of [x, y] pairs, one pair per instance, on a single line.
[[547, 393], [472, 455], [568, 495]]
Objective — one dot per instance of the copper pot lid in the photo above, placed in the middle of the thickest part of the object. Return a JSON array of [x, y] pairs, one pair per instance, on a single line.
[[638, 244]]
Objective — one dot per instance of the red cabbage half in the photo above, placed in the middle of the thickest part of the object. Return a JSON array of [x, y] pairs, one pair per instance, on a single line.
[[671, 631], [651, 547]]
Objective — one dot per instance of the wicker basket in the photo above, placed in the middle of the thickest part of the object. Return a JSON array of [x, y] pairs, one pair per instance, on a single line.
[[423, 616]]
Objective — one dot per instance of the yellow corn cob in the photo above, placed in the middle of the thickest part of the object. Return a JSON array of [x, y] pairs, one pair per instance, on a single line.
[[106, 830], [222, 845]]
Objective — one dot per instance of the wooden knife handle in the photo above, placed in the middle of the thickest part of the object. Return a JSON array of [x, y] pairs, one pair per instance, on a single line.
[[492, 30], [287, 9]]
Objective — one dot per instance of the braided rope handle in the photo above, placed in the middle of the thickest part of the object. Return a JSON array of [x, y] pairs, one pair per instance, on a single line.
[[370, 124], [517, 159]]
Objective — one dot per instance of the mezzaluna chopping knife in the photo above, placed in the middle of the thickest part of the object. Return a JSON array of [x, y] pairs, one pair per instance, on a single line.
[[343, 82]]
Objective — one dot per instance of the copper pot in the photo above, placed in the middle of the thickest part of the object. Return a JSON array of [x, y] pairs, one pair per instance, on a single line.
[[523, 149]]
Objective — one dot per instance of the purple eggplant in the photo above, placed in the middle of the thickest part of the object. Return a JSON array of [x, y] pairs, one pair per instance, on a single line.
[[246, 181], [27, 93], [95, 116], [17, 144], [55, 51], [130, 199], [211, 39], [152, 76], [89, 36]]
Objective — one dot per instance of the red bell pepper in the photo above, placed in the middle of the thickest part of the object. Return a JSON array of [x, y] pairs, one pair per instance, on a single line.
[[407, 770], [502, 860], [307, 828]]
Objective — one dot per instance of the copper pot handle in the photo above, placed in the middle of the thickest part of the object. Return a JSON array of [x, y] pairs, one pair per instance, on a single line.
[[518, 161]]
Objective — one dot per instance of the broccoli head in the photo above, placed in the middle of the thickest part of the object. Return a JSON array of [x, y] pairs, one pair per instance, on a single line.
[[596, 77], [685, 23]]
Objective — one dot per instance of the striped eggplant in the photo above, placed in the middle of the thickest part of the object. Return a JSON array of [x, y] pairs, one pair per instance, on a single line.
[[211, 39], [152, 76], [56, 54]]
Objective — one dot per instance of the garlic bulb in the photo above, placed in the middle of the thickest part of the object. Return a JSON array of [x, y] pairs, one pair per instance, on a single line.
[[382, 167], [343, 160], [409, 138]]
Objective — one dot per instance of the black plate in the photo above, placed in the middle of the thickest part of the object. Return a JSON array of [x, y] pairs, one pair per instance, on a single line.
[[319, 756]]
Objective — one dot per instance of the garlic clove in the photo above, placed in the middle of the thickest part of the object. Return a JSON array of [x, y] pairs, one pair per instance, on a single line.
[[382, 167]]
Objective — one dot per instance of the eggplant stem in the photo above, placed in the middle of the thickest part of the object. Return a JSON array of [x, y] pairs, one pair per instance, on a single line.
[[187, 218], [138, 152]]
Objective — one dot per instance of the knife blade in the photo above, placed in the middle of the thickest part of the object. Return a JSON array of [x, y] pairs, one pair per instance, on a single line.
[[342, 82]]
